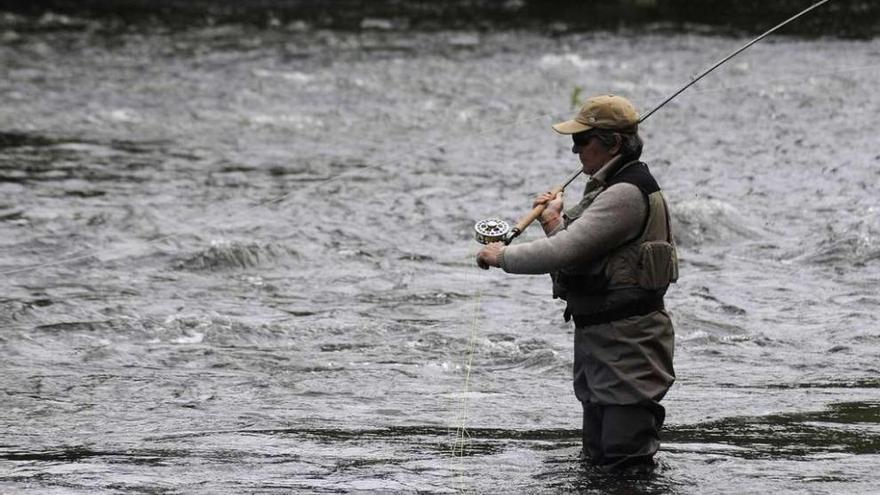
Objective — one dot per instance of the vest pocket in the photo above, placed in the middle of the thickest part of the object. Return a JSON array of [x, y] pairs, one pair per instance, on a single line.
[[658, 265]]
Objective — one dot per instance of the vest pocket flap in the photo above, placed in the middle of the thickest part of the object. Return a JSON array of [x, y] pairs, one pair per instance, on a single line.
[[658, 265]]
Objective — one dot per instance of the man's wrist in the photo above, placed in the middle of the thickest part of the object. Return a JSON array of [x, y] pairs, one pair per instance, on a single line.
[[552, 218]]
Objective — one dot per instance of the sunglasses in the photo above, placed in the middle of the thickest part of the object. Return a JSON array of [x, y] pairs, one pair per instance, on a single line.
[[580, 140]]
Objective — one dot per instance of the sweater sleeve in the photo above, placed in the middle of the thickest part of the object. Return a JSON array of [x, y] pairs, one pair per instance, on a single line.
[[616, 216]]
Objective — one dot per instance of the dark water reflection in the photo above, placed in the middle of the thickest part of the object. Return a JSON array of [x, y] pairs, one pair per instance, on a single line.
[[413, 451], [240, 260]]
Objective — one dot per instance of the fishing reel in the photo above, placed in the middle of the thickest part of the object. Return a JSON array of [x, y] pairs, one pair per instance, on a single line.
[[494, 230], [497, 230]]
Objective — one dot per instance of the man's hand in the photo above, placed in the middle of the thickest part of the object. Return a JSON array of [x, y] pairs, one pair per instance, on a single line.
[[488, 256], [552, 214]]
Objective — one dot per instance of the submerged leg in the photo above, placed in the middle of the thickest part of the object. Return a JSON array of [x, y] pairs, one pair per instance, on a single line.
[[592, 432], [631, 434]]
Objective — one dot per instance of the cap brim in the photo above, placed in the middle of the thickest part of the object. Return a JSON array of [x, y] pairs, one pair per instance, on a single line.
[[570, 127]]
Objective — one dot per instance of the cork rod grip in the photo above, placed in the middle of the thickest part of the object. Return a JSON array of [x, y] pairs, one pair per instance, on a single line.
[[527, 220]]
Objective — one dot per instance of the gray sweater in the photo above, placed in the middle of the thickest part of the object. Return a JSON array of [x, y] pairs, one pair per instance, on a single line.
[[615, 217]]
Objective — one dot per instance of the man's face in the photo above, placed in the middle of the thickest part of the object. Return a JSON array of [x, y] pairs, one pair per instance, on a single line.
[[592, 153]]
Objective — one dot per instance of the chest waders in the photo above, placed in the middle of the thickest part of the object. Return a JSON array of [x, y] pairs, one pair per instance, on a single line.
[[624, 339]]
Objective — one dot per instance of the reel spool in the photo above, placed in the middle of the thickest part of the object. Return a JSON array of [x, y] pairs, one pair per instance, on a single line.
[[491, 230]]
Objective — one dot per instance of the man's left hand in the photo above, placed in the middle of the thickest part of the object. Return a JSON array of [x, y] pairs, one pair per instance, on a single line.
[[488, 256]]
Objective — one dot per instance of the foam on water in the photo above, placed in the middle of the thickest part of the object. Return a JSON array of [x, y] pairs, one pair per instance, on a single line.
[[711, 222], [852, 244], [224, 255]]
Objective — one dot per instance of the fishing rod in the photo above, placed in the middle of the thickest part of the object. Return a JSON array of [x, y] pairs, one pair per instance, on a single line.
[[497, 230]]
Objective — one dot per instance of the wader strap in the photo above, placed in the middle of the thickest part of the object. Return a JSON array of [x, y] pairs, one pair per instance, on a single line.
[[638, 308]]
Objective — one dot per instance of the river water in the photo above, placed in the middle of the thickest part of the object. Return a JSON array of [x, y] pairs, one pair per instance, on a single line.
[[240, 260]]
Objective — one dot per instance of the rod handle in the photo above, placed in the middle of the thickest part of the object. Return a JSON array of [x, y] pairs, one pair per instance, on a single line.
[[533, 215]]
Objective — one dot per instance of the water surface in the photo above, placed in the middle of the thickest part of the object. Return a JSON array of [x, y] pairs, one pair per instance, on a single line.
[[240, 260]]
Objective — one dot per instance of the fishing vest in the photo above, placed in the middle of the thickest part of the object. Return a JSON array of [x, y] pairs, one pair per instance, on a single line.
[[632, 279]]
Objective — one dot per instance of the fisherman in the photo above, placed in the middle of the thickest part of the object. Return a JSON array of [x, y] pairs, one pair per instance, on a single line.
[[611, 257]]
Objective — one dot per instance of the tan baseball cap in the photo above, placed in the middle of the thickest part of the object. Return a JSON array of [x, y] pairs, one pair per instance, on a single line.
[[601, 112]]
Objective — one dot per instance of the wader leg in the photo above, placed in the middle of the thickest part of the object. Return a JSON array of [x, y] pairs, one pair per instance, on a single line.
[[616, 437], [631, 434], [592, 432]]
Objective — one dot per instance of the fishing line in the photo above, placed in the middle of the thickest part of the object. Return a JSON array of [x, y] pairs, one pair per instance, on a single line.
[[462, 437]]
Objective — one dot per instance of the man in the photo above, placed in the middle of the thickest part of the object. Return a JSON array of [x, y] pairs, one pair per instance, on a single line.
[[611, 257]]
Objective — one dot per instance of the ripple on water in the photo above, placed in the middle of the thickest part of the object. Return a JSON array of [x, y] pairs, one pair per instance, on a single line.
[[506, 352], [229, 255], [710, 221], [854, 244]]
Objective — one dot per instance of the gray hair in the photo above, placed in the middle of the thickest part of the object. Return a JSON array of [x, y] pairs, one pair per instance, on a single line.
[[630, 142]]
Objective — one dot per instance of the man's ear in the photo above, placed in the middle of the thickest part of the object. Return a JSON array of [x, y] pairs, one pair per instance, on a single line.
[[618, 144]]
